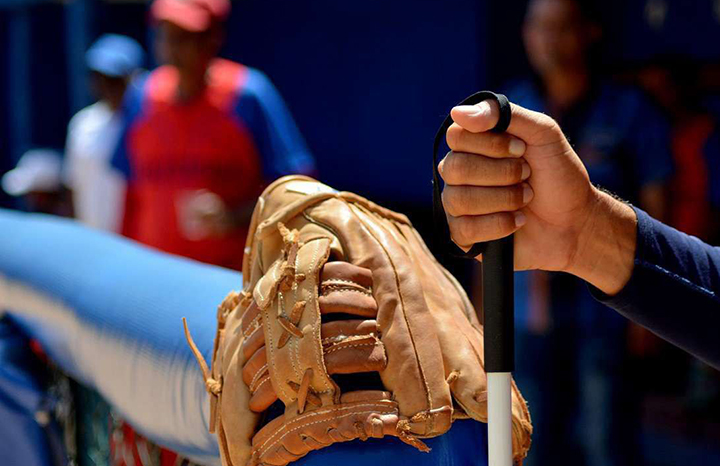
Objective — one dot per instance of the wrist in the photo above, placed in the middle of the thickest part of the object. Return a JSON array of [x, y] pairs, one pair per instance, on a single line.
[[606, 244]]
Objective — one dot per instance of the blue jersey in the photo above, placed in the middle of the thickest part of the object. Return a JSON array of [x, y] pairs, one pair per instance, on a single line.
[[233, 139]]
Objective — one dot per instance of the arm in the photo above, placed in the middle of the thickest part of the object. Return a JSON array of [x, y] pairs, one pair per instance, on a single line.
[[281, 146], [673, 288], [530, 182], [120, 170]]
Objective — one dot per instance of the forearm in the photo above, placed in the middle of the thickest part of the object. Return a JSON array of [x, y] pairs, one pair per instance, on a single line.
[[606, 244], [656, 276]]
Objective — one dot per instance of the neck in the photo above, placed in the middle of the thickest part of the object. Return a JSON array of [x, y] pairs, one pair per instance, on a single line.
[[113, 101], [191, 85], [565, 87]]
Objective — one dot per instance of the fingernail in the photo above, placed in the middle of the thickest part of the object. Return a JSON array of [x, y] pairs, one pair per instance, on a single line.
[[520, 219], [527, 194], [516, 147], [469, 110], [525, 171]]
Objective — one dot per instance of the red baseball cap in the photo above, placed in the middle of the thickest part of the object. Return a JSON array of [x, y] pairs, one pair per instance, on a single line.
[[192, 15]]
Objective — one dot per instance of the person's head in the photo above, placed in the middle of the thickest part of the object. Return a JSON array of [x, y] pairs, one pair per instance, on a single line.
[[37, 181], [559, 34], [190, 32], [113, 60]]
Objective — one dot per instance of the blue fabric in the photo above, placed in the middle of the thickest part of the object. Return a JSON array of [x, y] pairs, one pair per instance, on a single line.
[[115, 55], [131, 108], [259, 107], [624, 144], [23, 441], [674, 289], [262, 109], [113, 321]]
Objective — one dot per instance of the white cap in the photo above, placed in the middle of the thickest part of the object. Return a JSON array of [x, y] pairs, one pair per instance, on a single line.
[[38, 170]]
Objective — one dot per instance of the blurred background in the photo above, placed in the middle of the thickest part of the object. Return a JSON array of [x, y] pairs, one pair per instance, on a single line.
[[359, 91]]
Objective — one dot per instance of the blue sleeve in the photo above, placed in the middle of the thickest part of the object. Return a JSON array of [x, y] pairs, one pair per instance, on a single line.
[[281, 146], [673, 290], [649, 140], [132, 106]]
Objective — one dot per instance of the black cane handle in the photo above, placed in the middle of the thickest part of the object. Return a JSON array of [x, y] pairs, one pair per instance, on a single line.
[[497, 261]]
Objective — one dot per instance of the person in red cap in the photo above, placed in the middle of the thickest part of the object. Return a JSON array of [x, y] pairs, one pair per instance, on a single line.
[[202, 137]]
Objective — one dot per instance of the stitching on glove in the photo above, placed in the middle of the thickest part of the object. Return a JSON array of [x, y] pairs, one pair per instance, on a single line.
[[339, 347], [316, 328], [342, 283], [266, 379], [252, 327], [385, 410], [271, 356], [260, 372], [402, 306], [326, 290]]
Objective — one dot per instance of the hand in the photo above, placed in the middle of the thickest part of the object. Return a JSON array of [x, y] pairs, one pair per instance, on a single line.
[[203, 214], [530, 182]]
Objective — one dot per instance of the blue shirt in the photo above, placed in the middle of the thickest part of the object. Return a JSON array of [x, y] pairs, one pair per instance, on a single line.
[[625, 146], [674, 289]]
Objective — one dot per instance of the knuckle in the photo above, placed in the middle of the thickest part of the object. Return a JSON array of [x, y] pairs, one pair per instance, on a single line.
[[547, 123], [456, 201], [512, 171], [503, 224], [464, 230], [448, 200], [450, 172], [515, 197], [452, 137], [456, 232], [498, 145]]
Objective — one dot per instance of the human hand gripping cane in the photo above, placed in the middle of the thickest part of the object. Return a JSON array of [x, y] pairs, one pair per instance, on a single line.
[[497, 283], [487, 197]]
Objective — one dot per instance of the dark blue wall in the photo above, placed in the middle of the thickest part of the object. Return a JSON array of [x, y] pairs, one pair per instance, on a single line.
[[368, 82]]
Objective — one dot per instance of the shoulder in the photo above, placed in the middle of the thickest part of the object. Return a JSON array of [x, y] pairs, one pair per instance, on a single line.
[[89, 117], [160, 85], [256, 84]]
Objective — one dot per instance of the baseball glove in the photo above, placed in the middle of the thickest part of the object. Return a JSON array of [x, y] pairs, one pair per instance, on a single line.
[[347, 318]]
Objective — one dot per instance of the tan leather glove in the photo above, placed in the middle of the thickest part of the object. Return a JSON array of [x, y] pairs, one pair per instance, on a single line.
[[347, 318]]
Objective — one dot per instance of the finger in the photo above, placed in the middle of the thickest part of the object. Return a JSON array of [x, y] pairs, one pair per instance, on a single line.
[[480, 200], [532, 127], [468, 230], [496, 145], [346, 288], [459, 168], [263, 396]]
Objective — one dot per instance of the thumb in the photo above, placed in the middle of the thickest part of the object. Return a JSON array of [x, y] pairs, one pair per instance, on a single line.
[[532, 127]]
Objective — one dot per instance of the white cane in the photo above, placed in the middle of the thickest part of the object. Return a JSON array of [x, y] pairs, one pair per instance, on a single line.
[[498, 267]]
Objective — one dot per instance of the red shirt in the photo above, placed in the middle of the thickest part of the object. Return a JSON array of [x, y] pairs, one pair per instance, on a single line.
[[225, 141]]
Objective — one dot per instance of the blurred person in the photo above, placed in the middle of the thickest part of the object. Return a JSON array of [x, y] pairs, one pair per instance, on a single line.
[[585, 408], [36, 180], [673, 82], [694, 208], [202, 137], [114, 61], [93, 133]]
